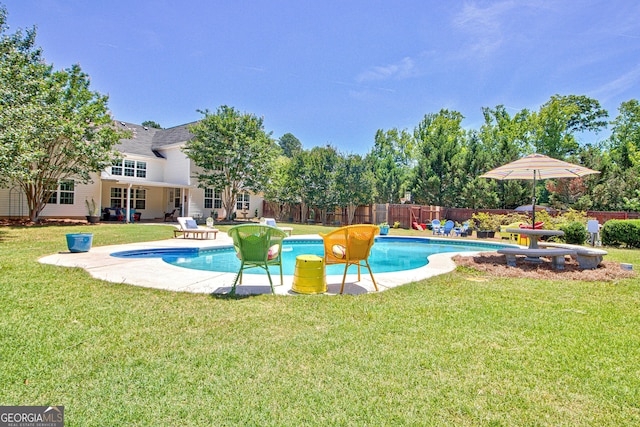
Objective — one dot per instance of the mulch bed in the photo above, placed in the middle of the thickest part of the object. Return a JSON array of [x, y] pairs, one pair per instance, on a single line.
[[496, 265]]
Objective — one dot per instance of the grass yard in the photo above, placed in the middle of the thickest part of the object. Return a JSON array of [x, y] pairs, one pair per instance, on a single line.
[[460, 349]]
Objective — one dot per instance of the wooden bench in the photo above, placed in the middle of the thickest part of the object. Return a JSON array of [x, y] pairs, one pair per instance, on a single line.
[[196, 234], [588, 258], [557, 255]]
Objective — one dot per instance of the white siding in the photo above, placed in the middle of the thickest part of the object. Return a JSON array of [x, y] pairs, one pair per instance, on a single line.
[[178, 167]]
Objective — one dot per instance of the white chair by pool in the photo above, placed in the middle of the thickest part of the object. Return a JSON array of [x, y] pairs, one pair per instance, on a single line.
[[272, 222]]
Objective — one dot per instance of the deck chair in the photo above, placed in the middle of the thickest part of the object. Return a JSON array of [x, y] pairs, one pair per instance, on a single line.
[[272, 222], [190, 229], [435, 226], [350, 245], [257, 246], [448, 226]]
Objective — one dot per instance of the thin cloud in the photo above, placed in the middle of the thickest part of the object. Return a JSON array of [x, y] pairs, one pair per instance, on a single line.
[[488, 27], [618, 86], [403, 69]]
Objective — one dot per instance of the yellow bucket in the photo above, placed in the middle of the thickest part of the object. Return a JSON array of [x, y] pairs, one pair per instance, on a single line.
[[309, 276]]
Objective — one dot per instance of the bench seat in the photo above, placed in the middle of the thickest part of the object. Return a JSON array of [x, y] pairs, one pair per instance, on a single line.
[[587, 258], [556, 254]]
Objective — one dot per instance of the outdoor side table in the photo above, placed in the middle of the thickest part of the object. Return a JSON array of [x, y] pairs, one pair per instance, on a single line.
[[309, 276]]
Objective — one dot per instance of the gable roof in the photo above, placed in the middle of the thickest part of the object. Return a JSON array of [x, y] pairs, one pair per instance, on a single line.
[[174, 135], [146, 141]]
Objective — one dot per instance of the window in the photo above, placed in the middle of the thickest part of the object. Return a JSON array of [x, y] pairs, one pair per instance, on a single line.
[[177, 198], [141, 169], [63, 193], [243, 202], [129, 168], [212, 199], [132, 168], [116, 167], [208, 198], [118, 198]]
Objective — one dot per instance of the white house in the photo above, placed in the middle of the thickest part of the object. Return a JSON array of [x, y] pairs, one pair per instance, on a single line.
[[153, 177]]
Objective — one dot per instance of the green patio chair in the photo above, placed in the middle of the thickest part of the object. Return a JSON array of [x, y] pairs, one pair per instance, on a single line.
[[257, 246]]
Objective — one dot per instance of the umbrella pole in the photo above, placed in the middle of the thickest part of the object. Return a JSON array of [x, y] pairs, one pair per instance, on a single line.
[[533, 203]]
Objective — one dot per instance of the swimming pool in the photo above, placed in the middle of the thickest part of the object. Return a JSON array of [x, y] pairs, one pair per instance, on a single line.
[[388, 254]]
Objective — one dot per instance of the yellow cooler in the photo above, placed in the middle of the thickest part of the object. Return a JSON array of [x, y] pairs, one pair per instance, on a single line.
[[309, 276]]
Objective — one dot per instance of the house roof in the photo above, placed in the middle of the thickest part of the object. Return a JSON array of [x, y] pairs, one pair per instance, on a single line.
[[174, 135], [140, 143], [146, 141]]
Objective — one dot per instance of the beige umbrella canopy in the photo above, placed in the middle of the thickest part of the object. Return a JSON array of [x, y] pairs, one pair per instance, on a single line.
[[537, 166]]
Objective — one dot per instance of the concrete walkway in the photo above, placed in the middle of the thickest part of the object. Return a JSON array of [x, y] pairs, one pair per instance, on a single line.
[[157, 274]]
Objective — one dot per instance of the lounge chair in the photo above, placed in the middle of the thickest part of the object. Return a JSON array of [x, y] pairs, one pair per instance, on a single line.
[[448, 226], [257, 246], [350, 245], [435, 226], [272, 222], [190, 229]]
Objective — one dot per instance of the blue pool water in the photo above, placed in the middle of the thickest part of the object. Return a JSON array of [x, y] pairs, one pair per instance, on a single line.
[[389, 254]]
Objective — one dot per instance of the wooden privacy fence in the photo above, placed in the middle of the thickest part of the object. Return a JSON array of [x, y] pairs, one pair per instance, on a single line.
[[405, 214]]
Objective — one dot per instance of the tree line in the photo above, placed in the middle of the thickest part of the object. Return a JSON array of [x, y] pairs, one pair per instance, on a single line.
[[439, 162]]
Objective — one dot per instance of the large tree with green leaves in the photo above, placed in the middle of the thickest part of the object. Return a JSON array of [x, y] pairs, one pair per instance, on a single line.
[[52, 126], [390, 160], [354, 184], [233, 153], [439, 175], [279, 192], [555, 125], [290, 145]]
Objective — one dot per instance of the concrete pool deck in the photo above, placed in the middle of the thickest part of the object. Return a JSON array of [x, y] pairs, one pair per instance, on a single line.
[[157, 274]]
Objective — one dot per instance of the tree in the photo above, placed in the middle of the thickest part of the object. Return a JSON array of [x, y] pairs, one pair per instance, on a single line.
[[290, 145], [321, 179], [555, 125], [52, 126], [390, 159], [233, 152], [354, 184], [625, 135], [279, 193], [503, 139], [439, 138], [151, 124]]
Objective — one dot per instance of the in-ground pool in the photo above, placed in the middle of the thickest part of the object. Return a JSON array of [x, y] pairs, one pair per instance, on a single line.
[[388, 254]]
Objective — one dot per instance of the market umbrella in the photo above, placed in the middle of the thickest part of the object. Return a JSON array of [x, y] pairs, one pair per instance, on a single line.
[[536, 167]]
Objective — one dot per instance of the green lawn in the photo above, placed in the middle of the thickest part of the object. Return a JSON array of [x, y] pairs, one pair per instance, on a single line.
[[459, 349]]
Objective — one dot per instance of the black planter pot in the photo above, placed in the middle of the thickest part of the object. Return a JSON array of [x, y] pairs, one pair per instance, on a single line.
[[91, 219], [485, 234]]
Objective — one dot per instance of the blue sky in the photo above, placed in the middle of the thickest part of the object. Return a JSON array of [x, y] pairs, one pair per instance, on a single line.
[[335, 71]]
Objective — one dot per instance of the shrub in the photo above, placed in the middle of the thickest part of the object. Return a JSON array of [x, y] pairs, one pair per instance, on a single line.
[[574, 233], [621, 232], [486, 222]]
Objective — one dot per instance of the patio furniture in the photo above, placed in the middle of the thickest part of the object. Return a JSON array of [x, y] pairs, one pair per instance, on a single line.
[[350, 245], [556, 254], [272, 222], [190, 229], [309, 276], [257, 246], [435, 226], [448, 226]]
